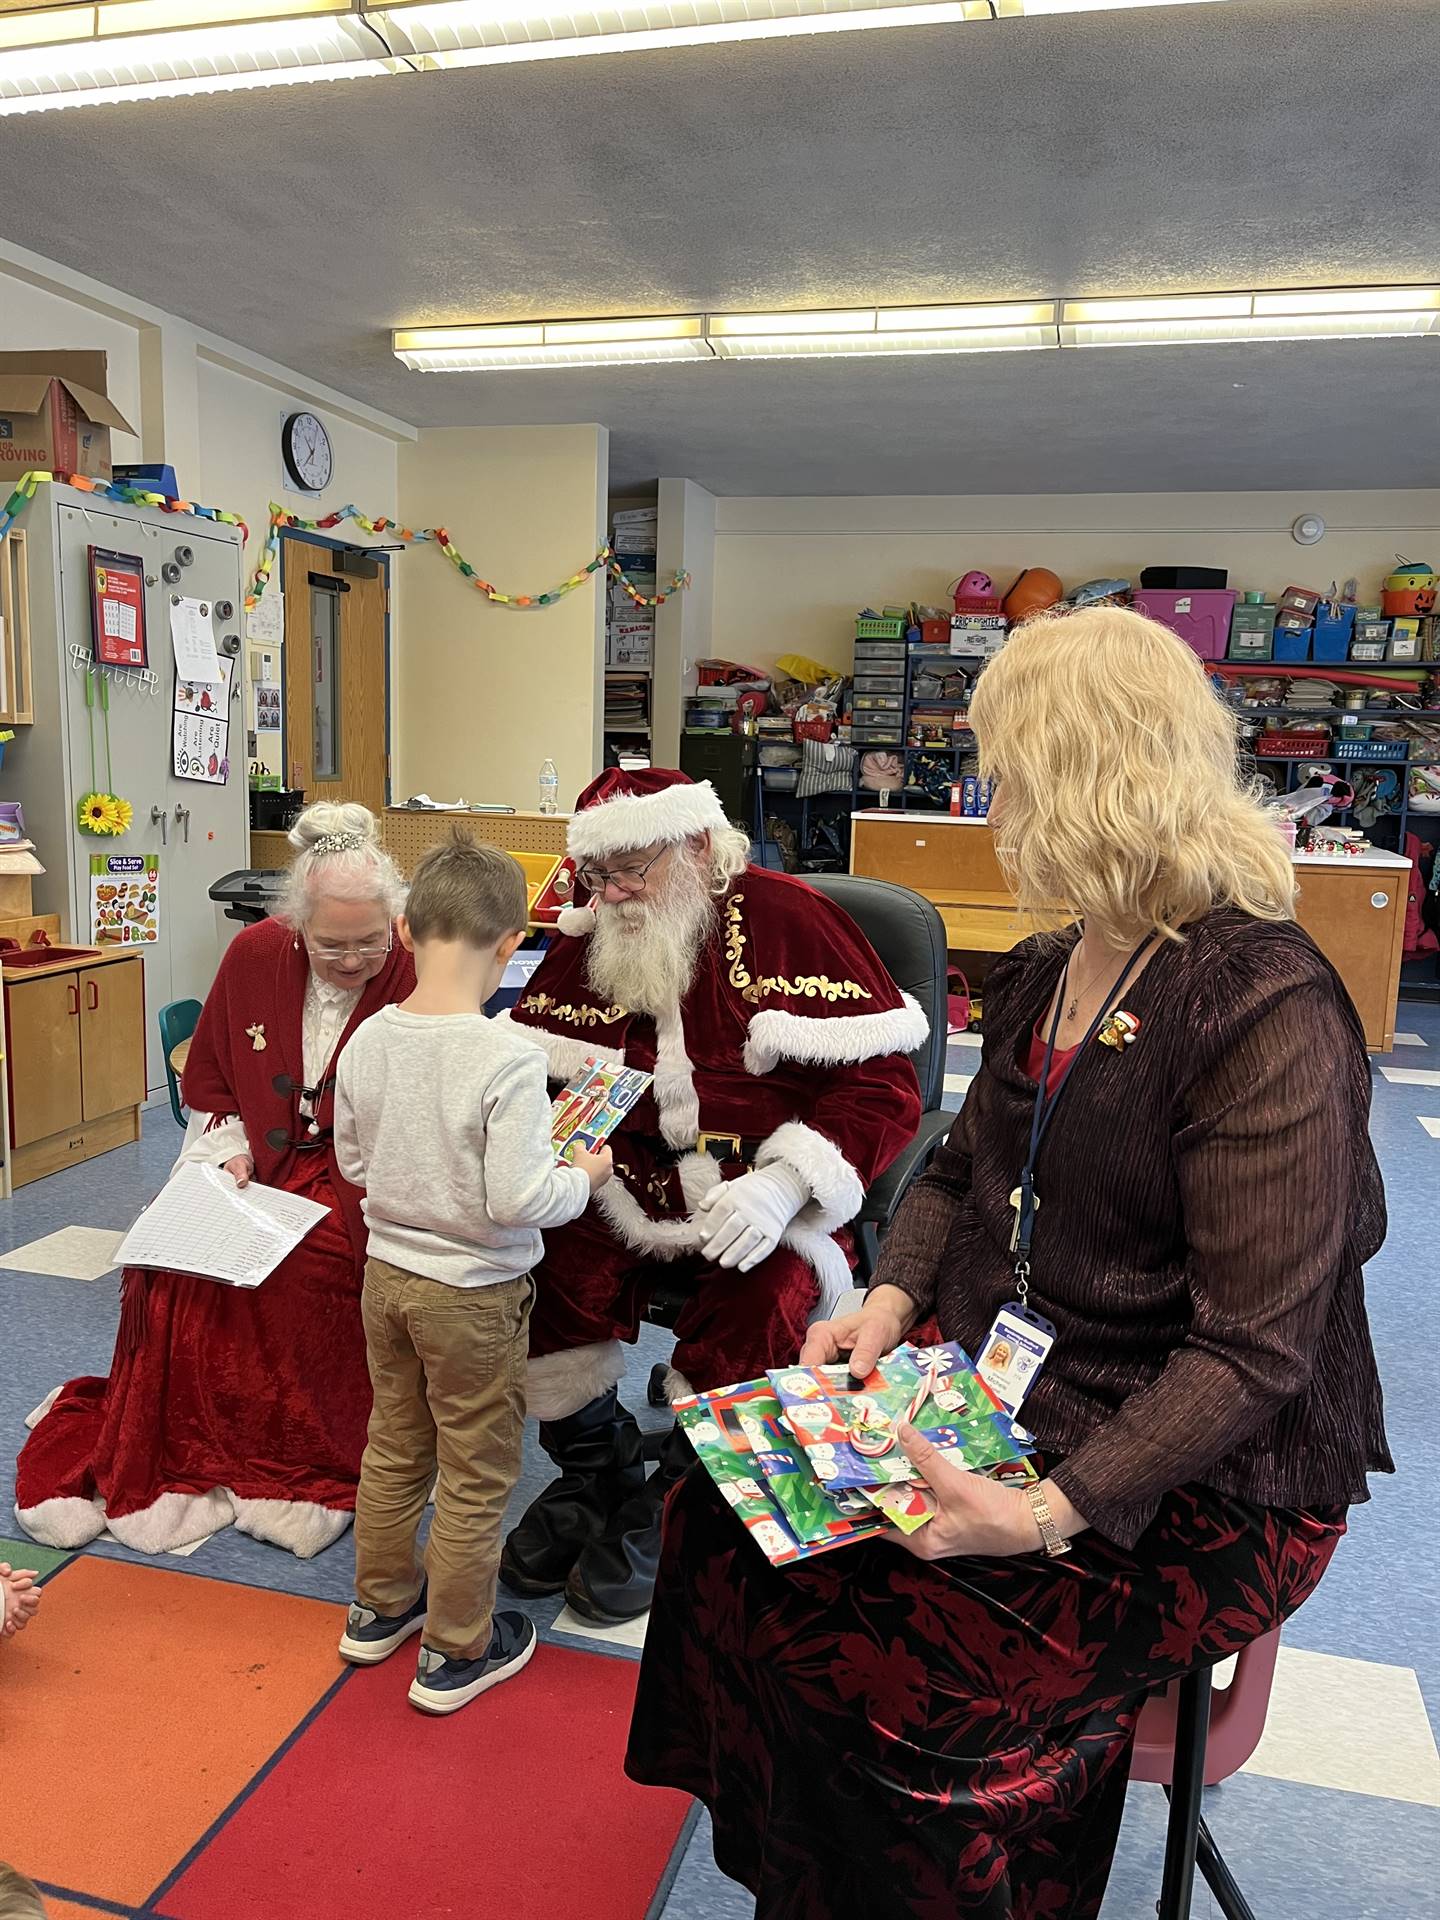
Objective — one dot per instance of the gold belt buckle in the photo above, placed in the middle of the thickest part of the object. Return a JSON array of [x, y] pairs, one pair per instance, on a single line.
[[707, 1142]]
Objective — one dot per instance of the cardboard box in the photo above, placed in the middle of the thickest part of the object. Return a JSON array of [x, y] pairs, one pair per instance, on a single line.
[[55, 415], [18, 868]]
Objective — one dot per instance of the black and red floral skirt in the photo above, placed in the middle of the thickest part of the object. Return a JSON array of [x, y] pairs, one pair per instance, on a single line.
[[879, 1736]]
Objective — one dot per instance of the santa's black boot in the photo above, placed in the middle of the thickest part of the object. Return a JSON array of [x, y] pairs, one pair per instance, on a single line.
[[614, 1578], [598, 1452]]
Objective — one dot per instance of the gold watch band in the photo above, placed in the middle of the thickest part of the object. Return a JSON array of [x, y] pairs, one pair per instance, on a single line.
[[1051, 1538]]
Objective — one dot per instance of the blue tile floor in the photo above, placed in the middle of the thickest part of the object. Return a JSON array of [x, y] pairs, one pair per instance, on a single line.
[[1335, 1816]]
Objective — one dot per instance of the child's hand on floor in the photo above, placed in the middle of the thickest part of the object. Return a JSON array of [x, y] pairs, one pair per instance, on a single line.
[[596, 1167], [19, 1599]]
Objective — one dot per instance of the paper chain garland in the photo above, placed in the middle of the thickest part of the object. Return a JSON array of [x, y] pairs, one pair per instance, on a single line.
[[605, 558], [29, 484]]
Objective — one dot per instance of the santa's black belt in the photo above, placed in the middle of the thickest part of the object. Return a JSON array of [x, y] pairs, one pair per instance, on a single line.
[[724, 1147]]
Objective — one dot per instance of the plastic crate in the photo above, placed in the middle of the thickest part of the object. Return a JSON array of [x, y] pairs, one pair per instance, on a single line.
[[1332, 633], [1371, 750], [1292, 746], [880, 626], [1290, 646], [1200, 615]]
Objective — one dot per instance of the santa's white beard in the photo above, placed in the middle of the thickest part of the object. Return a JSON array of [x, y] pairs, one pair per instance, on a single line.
[[642, 953]]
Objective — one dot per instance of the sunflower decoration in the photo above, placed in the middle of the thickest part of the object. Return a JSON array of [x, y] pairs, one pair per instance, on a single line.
[[105, 814], [94, 813]]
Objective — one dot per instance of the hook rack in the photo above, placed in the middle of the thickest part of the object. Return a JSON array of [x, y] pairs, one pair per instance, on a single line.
[[143, 679]]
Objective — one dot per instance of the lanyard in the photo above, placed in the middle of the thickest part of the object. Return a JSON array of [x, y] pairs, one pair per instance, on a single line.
[[1023, 1199]]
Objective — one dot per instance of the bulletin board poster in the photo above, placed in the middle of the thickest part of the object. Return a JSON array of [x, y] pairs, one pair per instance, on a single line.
[[117, 608], [201, 743], [124, 899]]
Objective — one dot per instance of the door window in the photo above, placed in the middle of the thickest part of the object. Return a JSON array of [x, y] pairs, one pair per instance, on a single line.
[[325, 680]]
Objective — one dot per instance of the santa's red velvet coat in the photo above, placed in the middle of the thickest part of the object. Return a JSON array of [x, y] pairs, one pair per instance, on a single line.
[[791, 1036]]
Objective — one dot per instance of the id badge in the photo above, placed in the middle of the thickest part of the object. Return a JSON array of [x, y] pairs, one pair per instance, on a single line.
[[1015, 1349]]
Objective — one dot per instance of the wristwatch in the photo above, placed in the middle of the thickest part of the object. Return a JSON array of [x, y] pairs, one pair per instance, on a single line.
[[1051, 1538]]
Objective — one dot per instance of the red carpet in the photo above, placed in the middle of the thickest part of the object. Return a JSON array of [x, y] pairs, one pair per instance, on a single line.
[[514, 1809]]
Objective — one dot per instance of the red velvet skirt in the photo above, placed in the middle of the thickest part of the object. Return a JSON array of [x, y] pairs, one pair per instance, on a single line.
[[260, 1390]]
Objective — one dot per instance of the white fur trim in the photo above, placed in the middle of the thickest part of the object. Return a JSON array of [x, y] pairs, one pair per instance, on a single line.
[[37, 1414], [677, 1387], [834, 1184], [66, 1524], [559, 1384], [661, 1239], [302, 1527], [832, 1269], [578, 922], [631, 821], [844, 1041], [567, 1055], [674, 1088], [175, 1520]]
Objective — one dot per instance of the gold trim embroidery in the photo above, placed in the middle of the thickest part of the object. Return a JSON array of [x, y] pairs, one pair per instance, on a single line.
[[577, 1016], [809, 986]]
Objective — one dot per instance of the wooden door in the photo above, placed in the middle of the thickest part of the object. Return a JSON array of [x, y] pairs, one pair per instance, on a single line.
[[335, 690], [112, 1038], [1356, 916], [44, 1065]]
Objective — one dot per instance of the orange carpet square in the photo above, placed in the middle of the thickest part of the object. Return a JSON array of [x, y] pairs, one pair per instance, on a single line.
[[67, 1910], [135, 1709], [516, 1808]]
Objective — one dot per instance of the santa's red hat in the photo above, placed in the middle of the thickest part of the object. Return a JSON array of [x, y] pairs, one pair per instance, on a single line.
[[622, 811]]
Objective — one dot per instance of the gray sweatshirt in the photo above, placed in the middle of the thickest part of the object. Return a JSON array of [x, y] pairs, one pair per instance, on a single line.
[[444, 1120]]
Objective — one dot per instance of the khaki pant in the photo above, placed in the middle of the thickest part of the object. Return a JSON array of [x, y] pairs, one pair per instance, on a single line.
[[448, 1368]]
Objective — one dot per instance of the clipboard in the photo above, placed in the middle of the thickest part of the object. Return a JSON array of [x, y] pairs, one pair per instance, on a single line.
[[117, 609]]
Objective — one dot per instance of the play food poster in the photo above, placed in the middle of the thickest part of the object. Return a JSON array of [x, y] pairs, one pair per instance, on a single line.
[[124, 899]]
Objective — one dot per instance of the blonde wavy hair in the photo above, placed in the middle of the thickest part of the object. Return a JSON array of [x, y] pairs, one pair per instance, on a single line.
[[1120, 796]]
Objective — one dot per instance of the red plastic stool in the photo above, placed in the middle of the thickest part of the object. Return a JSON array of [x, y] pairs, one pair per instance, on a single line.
[[1191, 1738]]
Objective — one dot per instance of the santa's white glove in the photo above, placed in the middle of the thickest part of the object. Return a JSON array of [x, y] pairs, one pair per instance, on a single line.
[[743, 1219]]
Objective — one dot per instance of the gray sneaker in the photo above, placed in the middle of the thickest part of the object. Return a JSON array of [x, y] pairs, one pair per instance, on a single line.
[[444, 1685], [371, 1637]]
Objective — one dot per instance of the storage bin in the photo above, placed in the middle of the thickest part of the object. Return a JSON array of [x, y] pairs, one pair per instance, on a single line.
[[879, 682], [936, 632], [1185, 579], [1369, 652], [1299, 600], [1387, 750], [1332, 633], [1290, 644], [878, 702], [1252, 632], [1405, 639], [1201, 616], [880, 626], [1292, 746]]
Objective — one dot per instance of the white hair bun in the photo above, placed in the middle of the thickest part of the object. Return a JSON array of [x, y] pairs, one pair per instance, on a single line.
[[334, 819]]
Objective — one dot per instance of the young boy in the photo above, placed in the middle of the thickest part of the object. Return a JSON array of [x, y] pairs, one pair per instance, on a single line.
[[442, 1116]]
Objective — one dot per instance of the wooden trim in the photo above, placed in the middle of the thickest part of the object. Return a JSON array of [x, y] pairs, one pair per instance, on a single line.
[[17, 685], [74, 1145]]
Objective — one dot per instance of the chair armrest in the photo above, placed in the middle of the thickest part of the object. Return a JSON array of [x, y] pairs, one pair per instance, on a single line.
[[883, 1199]]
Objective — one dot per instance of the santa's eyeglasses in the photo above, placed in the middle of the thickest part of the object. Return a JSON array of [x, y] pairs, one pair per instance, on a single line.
[[632, 879]]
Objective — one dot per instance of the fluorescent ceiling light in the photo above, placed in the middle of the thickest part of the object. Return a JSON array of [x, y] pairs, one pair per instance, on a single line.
[[154, 66], [1339, 313], [67, 56], [552, 343], [884, 330]]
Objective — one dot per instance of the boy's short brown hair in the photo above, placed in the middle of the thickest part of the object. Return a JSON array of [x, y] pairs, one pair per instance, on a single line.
[[464, 892]]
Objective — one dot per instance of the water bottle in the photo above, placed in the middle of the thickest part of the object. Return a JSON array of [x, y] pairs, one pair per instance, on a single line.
[[549, 788]]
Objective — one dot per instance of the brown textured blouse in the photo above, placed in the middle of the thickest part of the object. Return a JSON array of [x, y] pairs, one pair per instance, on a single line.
[[1207, 1197]]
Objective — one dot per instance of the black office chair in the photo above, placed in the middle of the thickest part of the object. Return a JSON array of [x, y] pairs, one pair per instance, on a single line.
[[908, 935]]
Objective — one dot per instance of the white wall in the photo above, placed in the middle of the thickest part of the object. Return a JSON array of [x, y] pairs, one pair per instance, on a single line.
[[790, 575], [33, 317], [488, 692]]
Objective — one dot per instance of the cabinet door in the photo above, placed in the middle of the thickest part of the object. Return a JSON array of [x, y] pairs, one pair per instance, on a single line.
[[112, 1037], [44, 1067], [1356, 916]]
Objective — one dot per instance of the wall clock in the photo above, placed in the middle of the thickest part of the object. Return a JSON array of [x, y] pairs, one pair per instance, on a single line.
[[305, 448]]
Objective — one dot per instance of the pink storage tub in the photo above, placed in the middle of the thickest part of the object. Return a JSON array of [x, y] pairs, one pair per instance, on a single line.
[[1201, 615]]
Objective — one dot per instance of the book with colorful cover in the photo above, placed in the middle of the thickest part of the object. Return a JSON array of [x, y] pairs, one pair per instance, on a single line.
[[592, 1106], [764, 1477], [847, 1429]]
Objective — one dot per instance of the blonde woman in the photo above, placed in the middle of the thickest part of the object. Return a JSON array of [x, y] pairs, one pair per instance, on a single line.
[[225, 1406], [947, 1729]]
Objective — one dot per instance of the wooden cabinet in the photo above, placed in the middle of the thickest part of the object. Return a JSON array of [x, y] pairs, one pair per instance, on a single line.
[[76, 1063], [952, 862], [45, 1085], [112, 1039], [1356, 916]]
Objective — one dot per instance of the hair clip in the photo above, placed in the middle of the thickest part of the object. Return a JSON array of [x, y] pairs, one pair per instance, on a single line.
[[338, 843]]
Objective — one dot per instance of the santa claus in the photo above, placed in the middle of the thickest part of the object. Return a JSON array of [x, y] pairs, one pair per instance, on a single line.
[[782, 1089]]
